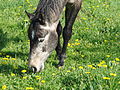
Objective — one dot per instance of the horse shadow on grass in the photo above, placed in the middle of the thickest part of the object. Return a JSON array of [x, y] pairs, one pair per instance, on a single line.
[[3, 39], [21, 55], [7, 69]]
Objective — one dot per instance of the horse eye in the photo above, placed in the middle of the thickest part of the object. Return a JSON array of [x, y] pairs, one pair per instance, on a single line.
[[40, 39]]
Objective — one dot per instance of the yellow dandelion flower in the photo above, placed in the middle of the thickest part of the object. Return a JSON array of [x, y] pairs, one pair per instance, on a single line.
[[117, 59], [25, 77], [59, 67], [113, 74], [104, 65], [93, 68], [99, 65], [53, 74], [12, 74], [4, 87], [24, 71], [69, 44], [68, 71], [90, 66], [18, 14], [81, 74], [73, 53], [89, 7], [108, 56], [72, 44], [111, 67], [80, 67], [4, 62], [84, 18], [34, 8], [77, 43], [76, 40], [73, 68], [107, 78], [107, 6], [97, 6], [105, 41], [13, 58], [20, 7], [113, 61], [93, 6], [116, 35], [38, 77], [42, 81], [82, 56], [102, 62], [29, 88], [87, 72], [86, 28], [26, 21], [27, 1], [30, 5], [5, 58], [108, 19]]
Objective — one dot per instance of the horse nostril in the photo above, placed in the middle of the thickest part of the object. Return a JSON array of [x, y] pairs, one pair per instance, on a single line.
[[34, 69]]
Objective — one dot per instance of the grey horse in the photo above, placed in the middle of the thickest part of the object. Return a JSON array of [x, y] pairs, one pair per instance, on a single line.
[[45, 30]]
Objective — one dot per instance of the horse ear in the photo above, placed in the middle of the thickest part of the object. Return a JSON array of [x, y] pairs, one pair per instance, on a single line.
[[29, 15]]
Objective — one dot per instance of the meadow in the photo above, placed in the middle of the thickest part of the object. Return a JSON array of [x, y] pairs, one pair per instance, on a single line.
[[93, 54]]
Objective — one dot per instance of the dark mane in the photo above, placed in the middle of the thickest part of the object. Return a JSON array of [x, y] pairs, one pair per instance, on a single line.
[[41, 5], [49, 10]]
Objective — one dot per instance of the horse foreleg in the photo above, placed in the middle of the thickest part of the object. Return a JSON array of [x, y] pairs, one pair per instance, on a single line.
[[58, 48], [70, 16]]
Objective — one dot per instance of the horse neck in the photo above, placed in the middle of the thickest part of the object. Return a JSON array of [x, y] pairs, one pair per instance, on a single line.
[[51, 9]]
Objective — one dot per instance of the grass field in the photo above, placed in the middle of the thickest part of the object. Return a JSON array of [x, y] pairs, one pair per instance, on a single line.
[[93, 55]]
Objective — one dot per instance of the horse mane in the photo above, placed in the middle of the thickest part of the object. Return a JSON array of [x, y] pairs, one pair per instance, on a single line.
[[41, 5], [48, 10]]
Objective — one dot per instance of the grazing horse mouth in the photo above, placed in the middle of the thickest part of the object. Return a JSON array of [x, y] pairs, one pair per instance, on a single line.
[[34, 69]]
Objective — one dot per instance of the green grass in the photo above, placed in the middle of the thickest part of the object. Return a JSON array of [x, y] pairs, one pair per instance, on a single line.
[[93, 55]]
